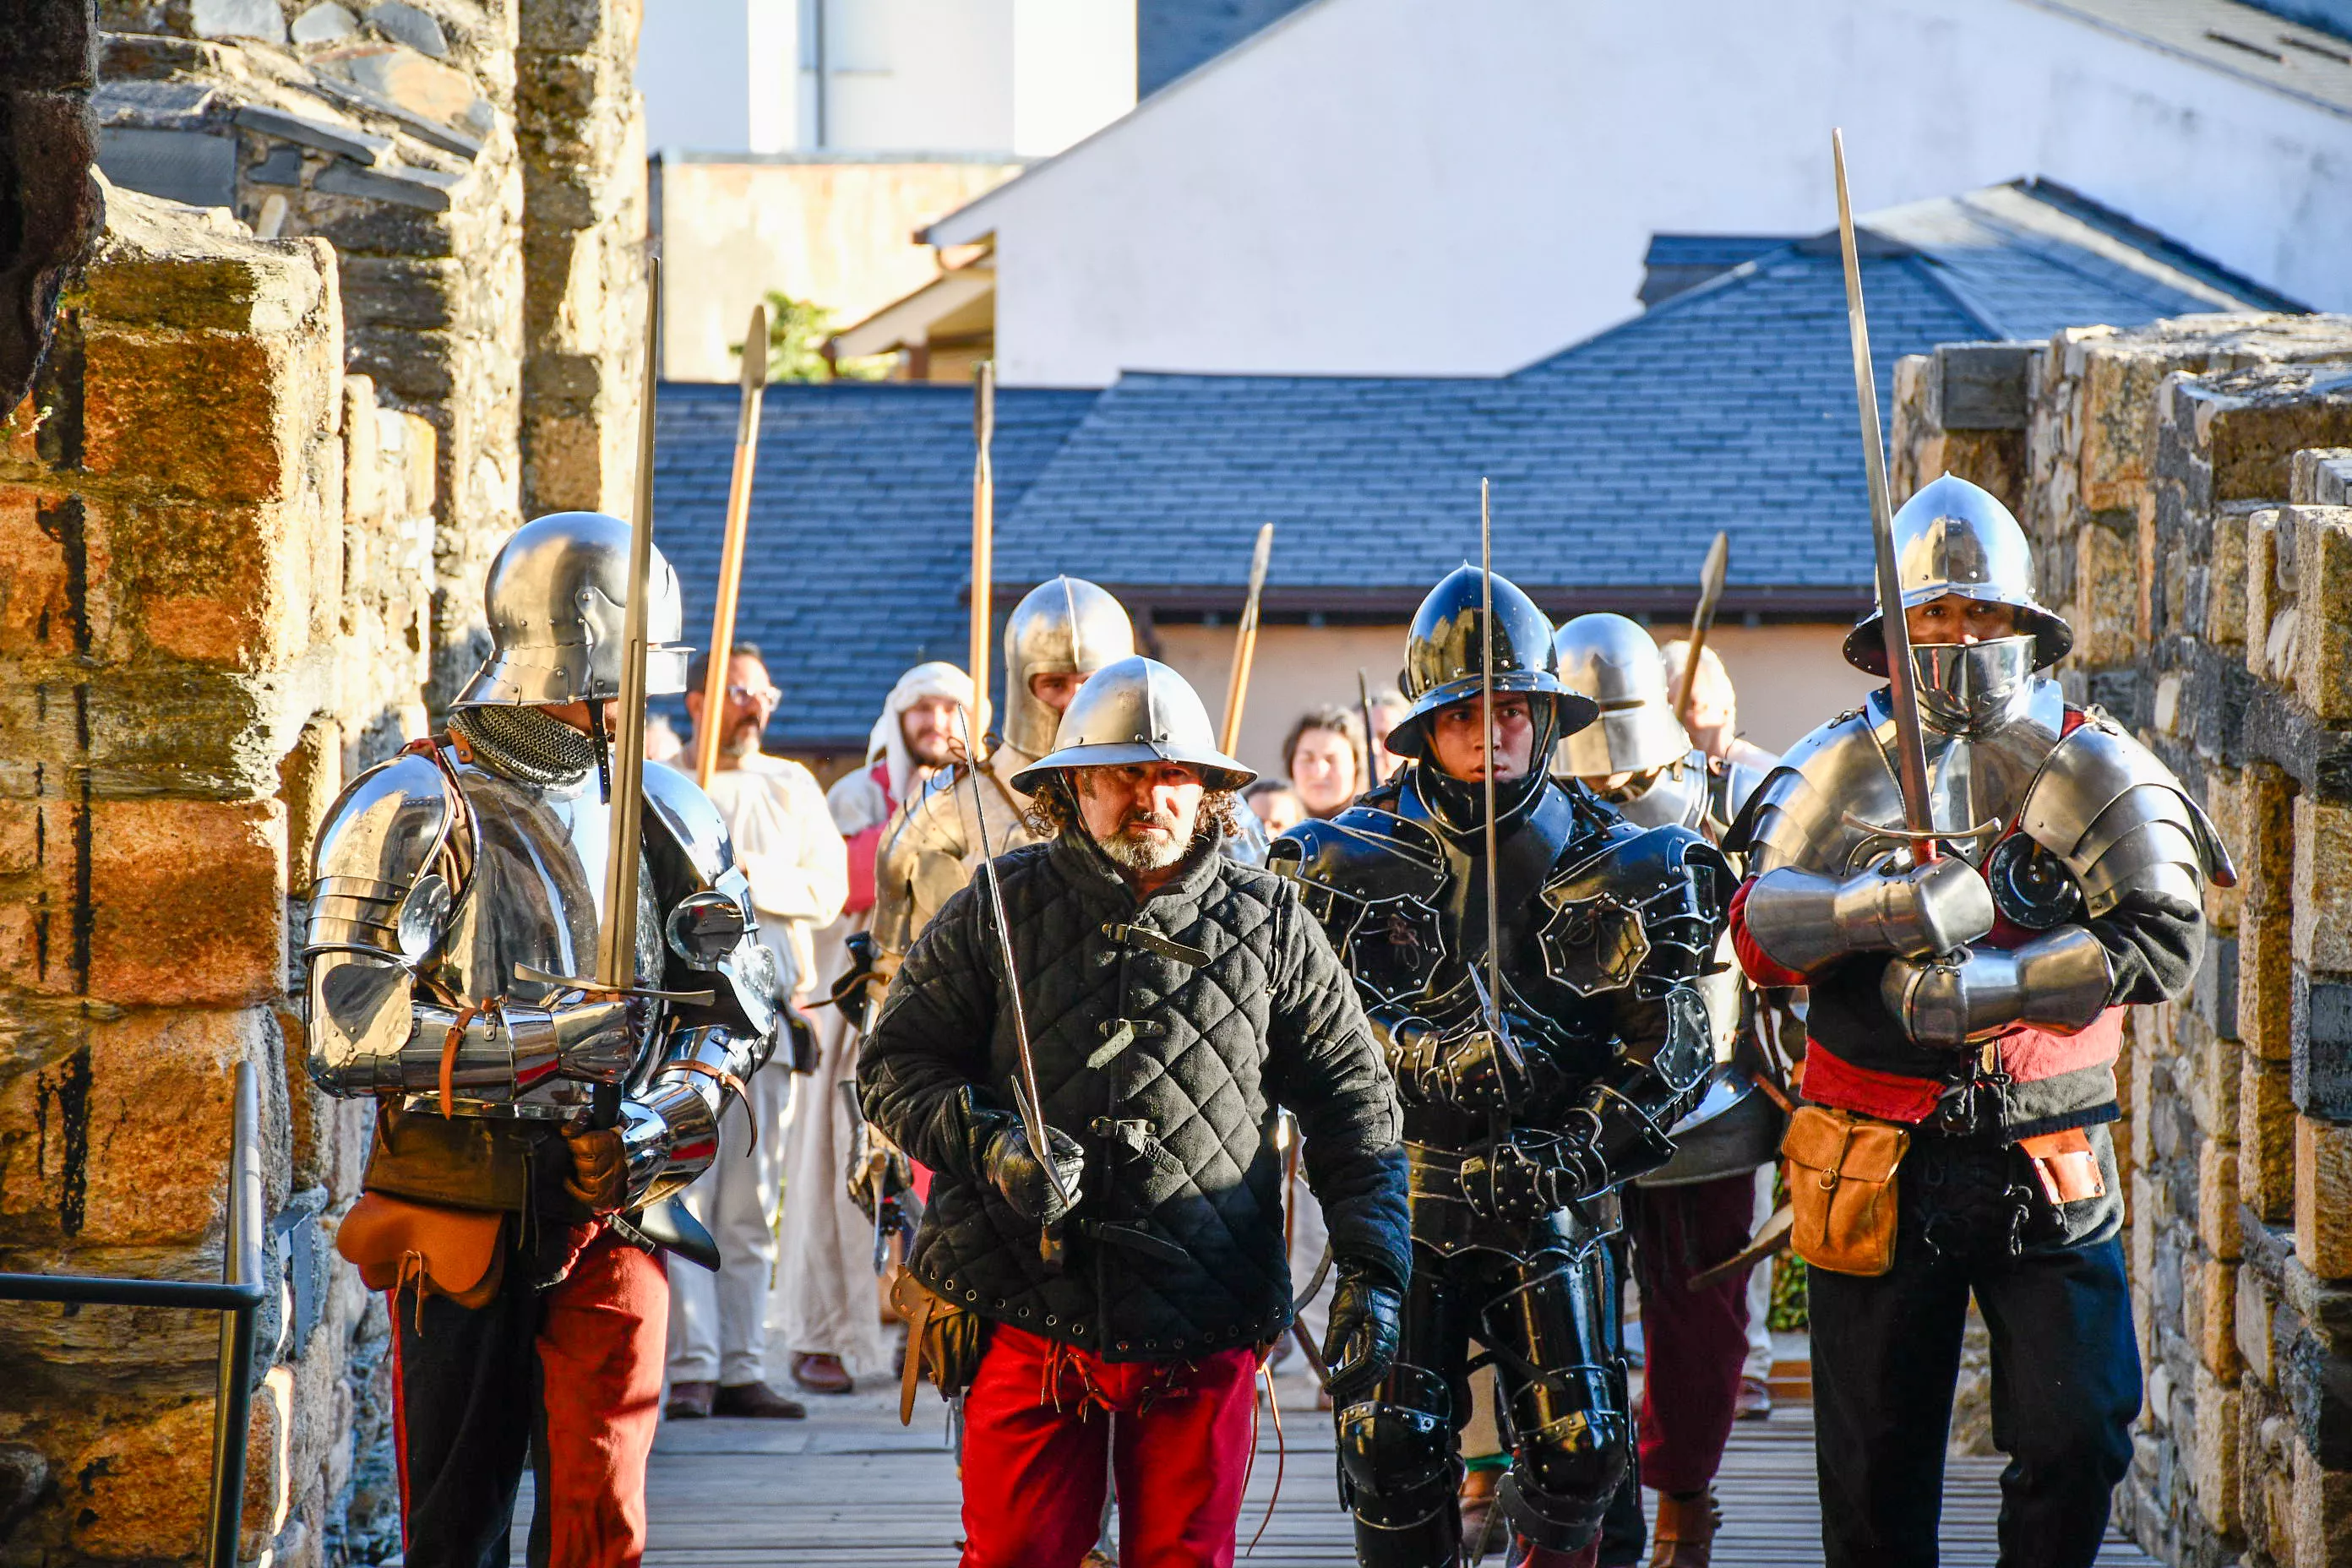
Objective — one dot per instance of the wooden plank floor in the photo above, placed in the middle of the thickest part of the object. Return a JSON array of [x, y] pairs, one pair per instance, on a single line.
[[849, 1486]]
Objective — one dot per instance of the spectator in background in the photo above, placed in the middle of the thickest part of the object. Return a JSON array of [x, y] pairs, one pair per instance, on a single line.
[[1388, 708], [785, 842], [1276, 805], [827, 1308], [1713, 723], [1324, 755], [662, 745]]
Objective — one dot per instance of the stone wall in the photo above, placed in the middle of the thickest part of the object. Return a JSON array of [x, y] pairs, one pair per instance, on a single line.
[[214, 572], [2191, 520]]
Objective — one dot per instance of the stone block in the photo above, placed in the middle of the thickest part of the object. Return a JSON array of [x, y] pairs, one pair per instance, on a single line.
[[2265, 1137], [49, 607], [2316, 1382], [2106, 592], [2323, 1046], [2322, 1530], [2265, 596], [2248, 425], [2213, 1460], [141, 1490], [203, 280], [121, 1138], [2217, 1200], [187, 901], [2266, 981], [2217, 1344], [199, 416], [2225, 581], [2322, 885], [235, 587], [2252, 1313], [363, 466], [2323, 1197]]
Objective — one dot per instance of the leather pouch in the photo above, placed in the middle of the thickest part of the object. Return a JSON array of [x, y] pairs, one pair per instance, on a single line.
[[944, 1342], [1841, 1177], [2068, 1167], [395, 1242]]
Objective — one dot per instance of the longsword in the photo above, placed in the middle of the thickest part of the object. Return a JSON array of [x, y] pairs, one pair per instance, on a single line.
[[1026, 1099], [1494, 998], [616, 945], [1902, 687]]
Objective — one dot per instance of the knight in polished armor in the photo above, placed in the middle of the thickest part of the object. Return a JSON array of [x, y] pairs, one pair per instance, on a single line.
[[1060, 633], [1975, 997], [530, 1120], [1522, 1119], [1698, 1209]]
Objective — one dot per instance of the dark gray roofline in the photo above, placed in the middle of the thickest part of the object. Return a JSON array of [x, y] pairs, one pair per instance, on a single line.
[[1397, 602]]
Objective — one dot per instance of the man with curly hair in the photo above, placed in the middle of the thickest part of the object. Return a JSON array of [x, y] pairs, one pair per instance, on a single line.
[[1118, 1249]]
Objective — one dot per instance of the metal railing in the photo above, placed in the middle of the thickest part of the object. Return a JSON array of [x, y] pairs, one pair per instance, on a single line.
[[238, 1298]]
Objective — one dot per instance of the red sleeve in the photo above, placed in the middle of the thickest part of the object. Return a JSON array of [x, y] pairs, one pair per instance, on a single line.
[[1760, 969], [861, 847]]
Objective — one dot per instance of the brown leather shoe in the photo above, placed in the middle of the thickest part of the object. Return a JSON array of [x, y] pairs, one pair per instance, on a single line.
[[756, 1400], [1755, 1403], [821, 1373], [1685, 1533], [690, 1401]]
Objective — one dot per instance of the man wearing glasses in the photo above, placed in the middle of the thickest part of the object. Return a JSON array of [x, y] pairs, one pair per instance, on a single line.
[[792, 855]]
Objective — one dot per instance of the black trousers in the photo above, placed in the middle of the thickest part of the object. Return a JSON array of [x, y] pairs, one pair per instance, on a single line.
[[1972, 1219]]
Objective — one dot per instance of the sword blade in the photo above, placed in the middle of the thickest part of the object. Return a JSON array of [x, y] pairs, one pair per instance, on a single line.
[[1372, 748], [983, 537], [616, 947], [1494, 998], [1246, 640], [1910, 742]]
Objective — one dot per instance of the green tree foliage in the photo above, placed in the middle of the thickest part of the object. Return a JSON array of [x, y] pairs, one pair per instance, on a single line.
[[796, 333]]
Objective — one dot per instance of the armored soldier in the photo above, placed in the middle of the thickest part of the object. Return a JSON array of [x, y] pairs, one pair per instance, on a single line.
[[1698, 1209], [1974, 999], [1057, 636], [526, 1115], [1523, 1113]]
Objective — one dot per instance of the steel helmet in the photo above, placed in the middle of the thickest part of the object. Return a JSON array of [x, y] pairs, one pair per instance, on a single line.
[[1136, 710], [1443, 658], [557, 596], [1614, 661], [1064, 626]]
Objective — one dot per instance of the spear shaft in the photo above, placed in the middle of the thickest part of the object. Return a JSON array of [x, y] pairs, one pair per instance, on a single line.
[[707, 736]]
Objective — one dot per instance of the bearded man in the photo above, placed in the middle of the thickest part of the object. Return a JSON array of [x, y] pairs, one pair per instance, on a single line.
[[1172, 1002], [828, 1313], [788, 849]]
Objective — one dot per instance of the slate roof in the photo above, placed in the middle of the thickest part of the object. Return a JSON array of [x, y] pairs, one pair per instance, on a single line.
[[860, 533], [1729, 405]]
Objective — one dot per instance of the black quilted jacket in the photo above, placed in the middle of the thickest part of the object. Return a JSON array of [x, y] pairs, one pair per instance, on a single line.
[[1165, 1034]]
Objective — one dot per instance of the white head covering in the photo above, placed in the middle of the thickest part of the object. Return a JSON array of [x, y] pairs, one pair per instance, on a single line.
[[936, 678]]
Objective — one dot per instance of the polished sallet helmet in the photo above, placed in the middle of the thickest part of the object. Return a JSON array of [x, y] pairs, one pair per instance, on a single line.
[[1954, 537], [557, 597], [1136, 710], [1066, 625], [1615, 662], [1444, 659]]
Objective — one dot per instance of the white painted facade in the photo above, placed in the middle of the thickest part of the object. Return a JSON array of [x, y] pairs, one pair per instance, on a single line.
[[1022, 79], [1460, 187]]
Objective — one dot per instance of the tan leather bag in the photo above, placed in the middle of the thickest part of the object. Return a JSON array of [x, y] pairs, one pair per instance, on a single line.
[[944, 1342], [396, 1242], [1841, 1177]]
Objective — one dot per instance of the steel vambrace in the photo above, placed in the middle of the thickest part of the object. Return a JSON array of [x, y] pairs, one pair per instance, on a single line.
[[2059, 980], [1804, 921], [670, 1132]]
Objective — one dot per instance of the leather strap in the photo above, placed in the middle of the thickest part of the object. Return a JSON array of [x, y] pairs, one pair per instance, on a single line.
[[450, 1042]]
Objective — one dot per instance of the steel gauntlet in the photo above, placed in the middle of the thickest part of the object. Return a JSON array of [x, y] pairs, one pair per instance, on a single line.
[[2060, 981], [1804, 921]]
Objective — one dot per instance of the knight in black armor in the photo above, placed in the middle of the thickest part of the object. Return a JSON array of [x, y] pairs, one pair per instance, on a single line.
[[1522, 1117]]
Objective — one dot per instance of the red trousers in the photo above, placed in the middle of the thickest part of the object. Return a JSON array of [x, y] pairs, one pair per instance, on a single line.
[[1695, 1342], [569, 1378], [1045, 1423]]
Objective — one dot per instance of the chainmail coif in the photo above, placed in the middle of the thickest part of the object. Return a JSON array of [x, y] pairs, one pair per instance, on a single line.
[[525, 743]]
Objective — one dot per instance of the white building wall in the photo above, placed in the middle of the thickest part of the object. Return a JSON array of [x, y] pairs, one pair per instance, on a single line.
[[1406, 186]]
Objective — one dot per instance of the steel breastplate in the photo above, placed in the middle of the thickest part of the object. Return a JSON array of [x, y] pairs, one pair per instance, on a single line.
[[1842, 811], [535, 900]]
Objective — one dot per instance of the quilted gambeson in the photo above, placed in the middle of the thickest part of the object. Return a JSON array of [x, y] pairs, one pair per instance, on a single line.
[[1166, 1032]]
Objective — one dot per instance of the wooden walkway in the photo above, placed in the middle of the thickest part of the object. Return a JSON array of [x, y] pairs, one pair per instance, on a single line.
[[849, 1486]]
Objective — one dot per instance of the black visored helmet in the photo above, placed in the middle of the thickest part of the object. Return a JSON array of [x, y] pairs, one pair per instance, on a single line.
[[1443, 657]]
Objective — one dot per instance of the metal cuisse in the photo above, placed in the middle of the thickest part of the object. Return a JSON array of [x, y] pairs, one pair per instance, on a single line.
[[1063, 626], [1615, 662]]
